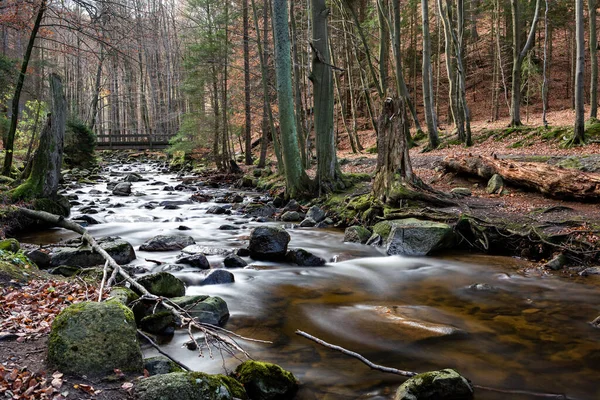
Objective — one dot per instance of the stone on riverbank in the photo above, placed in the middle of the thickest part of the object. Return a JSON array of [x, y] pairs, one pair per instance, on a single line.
[[11, 245], [268, 243], [446, 384], [357, 234], [414, 237], [189, 386], [163, 284], [265, 381], [121, 251], [291, 216], [167, 243], [93, 339], [316, 214], [160, 365]]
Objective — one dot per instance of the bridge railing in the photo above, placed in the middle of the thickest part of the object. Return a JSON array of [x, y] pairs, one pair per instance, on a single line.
[[132, 140]]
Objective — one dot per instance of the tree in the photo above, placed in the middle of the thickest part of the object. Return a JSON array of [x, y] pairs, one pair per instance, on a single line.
[[247, 109], [579, 133], [296, 179], [593, 59], [10, 137], [519, 55], [45, 172], [430, 116], [322, 79]]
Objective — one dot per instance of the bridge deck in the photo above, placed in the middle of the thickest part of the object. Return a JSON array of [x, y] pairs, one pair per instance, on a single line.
[[131, 141]]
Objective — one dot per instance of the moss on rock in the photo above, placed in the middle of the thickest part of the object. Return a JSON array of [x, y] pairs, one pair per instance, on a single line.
[[163, 284], [11, 245], [123, 295], [266, 381], [93, 339], [189, 386], [446, 384]]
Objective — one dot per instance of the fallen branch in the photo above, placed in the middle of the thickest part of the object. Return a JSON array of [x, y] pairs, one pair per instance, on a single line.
[[410, 374], [157, 347]]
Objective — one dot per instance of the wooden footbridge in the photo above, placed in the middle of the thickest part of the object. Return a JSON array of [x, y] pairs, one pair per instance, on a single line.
[[135, 141]]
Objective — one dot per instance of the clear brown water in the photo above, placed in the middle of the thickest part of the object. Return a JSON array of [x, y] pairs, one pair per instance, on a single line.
[[529, 334]]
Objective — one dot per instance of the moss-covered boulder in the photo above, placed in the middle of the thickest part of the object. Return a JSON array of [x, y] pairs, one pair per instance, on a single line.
[[18, 272], [160, 323], [189, 386], [123, 295], [58, 205], [415, 237], [163, 284], [357, 234], [265, 381], [446, 384], [268, 243], [93, 339], [11, 245], [121, 251]]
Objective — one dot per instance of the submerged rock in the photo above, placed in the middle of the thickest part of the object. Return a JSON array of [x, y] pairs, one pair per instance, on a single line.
[[93, 339], [167, 243], [189, 386], [446, 384], [163, 284], [268, 243]]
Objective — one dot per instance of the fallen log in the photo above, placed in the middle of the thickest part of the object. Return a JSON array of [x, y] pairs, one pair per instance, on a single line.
[[554, 182]]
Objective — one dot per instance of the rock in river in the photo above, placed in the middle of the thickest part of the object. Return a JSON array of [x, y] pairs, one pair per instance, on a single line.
[[167, 242], [414, 237], [198, 260], [121, 251], [446, 384], [233, 261], [208, 309], [268, 243], [93, 339], [122, 189], [217, 277], [265, 381], [163, 284], [304, 258], [357, 234]]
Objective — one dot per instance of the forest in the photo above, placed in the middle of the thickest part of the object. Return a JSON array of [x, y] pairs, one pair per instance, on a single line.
[[319, 199]]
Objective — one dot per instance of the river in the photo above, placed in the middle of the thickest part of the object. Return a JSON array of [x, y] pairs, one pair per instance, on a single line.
[[517, 330]]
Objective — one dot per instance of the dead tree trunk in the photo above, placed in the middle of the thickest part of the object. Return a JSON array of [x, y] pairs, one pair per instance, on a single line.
[[551, 181]]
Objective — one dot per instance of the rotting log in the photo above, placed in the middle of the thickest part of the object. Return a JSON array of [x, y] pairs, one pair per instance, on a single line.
[[554, 182]]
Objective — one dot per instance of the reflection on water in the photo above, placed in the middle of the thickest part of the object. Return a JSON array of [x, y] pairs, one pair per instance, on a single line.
[[510, 331]]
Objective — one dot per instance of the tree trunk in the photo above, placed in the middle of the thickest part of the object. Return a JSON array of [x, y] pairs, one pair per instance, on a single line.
[[545, 70], [518, 57], [47, 160], [248, 121], [393, 160], [593, 60], [555, 182], [430, 117], [10, 137], [322, 79], [296, 178], [579, 134]]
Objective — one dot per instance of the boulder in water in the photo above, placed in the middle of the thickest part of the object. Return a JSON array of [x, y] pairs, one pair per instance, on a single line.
[[259, 210], [268, 243], [316, 214], [217, 277], [207, 309], [163, 284], [167, 243], [122, 189], [291, 216], [121, 251], [198, 260], [266, 381], [304, 258], [446, 384], [234, 261], [307, 223], [93, 339]]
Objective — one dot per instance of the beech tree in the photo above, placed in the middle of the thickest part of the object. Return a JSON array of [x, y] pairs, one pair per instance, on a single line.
[[579, 132]]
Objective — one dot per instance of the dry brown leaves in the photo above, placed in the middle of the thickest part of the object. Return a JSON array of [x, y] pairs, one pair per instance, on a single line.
[[28, 311], [22, 384]]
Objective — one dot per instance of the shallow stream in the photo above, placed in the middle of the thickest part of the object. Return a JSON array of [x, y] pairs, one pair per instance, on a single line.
[[515, 331]]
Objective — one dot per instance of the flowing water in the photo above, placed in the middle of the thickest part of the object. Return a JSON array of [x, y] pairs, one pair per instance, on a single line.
[[514, 331]]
